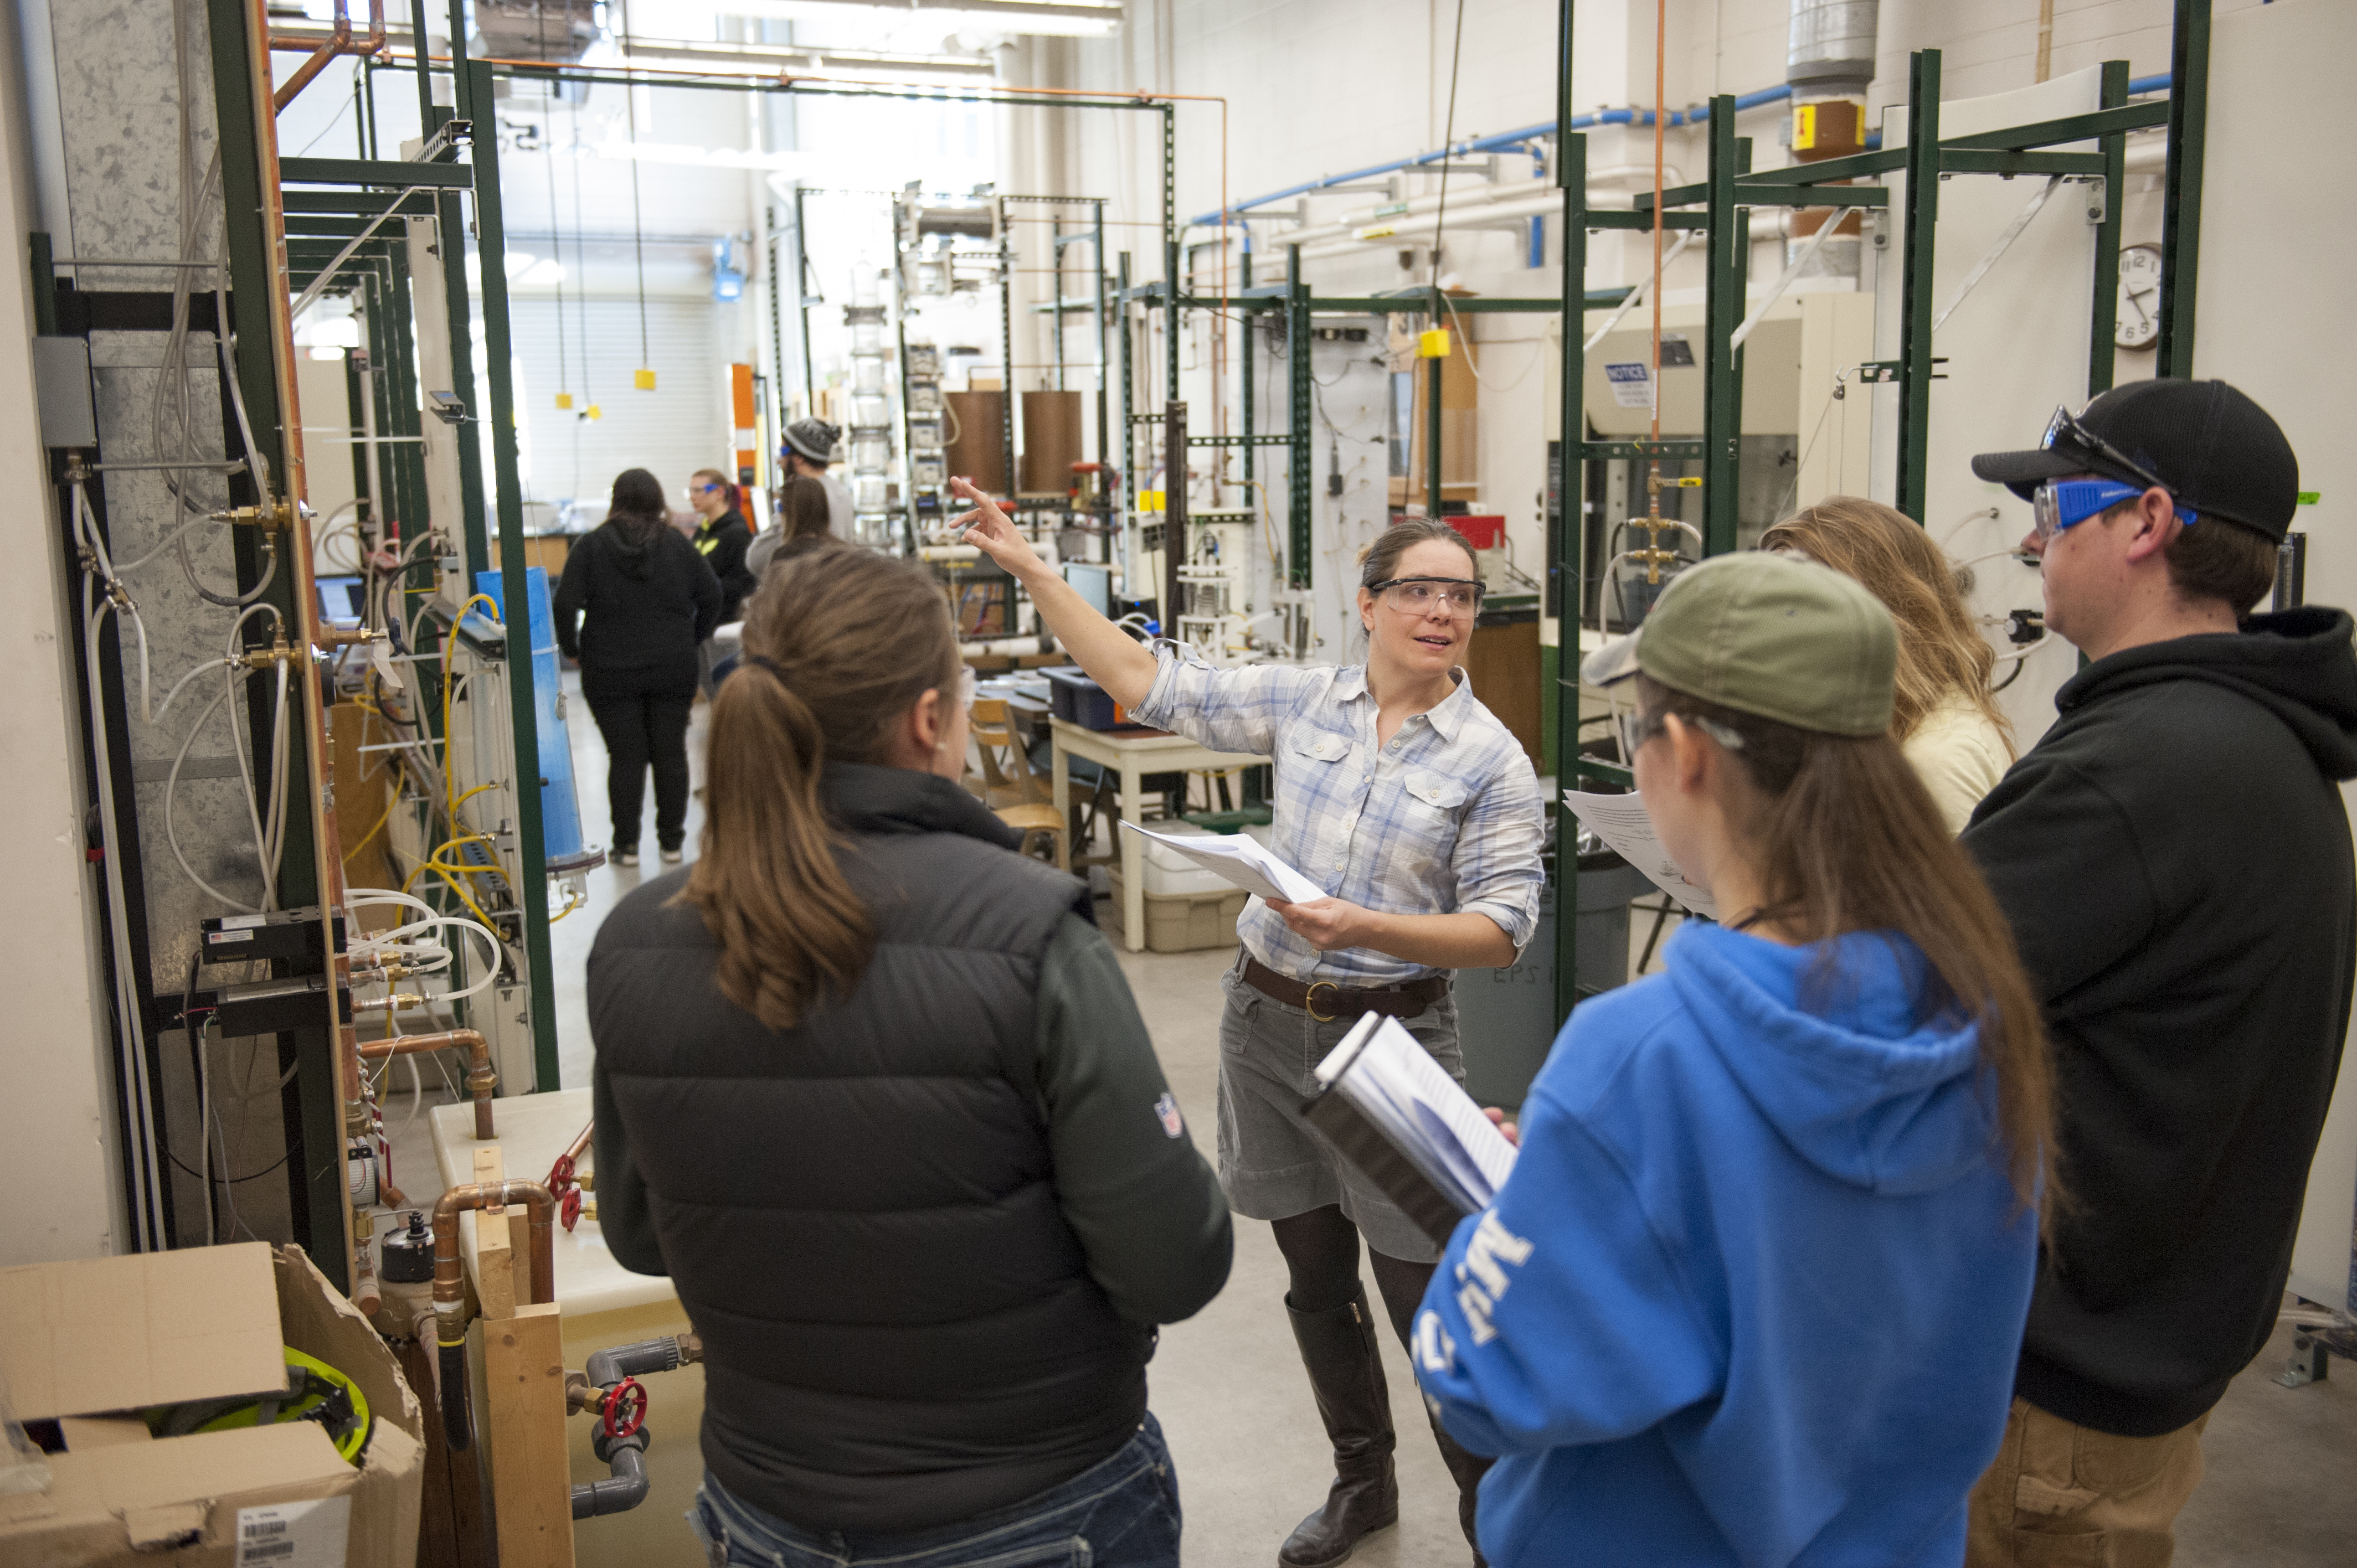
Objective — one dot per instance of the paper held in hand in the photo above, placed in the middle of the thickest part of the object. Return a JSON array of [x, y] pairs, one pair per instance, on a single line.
[[1620, 822], [1241, 860], [1394, 1082]]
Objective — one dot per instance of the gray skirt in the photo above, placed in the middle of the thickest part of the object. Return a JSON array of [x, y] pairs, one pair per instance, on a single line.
[[1273, 1163]]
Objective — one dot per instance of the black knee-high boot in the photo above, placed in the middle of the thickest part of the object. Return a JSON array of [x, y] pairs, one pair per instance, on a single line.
[[1403, 1286], [1346, 1372]]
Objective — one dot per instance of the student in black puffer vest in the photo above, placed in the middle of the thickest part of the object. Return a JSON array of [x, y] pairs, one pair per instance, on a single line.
[[872, 1091]]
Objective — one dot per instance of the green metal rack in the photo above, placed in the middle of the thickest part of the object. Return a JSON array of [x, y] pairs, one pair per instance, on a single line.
[[1726, 198]]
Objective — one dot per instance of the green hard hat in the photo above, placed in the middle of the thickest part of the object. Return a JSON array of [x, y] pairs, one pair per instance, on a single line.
[[1768, 635]]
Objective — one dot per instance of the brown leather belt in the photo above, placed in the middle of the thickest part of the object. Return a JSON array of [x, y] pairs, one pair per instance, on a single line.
[[1325, 1000]]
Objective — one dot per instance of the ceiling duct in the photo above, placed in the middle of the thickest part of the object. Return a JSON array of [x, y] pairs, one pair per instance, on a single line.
[[1831, 52], [555, 30]]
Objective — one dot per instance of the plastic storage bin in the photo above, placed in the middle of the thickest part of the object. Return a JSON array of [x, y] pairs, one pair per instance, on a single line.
[[1170, 874], [1183, 922], [1076, 699]]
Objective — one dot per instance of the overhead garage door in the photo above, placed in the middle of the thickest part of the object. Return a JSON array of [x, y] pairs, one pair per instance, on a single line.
[[671, 432]]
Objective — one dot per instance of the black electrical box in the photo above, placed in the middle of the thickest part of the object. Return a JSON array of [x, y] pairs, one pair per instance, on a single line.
[[288, 934]]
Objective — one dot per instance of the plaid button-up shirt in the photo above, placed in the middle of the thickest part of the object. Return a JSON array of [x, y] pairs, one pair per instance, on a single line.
[[1444, 820]]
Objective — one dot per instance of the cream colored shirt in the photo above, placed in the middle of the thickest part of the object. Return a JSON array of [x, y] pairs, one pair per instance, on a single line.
[[1960, 756]]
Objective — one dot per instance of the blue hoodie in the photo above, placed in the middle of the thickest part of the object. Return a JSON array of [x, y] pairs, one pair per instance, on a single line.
[[1755, 1289]]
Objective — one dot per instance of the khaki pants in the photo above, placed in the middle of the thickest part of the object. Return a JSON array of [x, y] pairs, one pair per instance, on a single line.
[[2064, 1496]]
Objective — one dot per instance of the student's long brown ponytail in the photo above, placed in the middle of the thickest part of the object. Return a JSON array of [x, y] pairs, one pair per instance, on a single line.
[[839, 645]]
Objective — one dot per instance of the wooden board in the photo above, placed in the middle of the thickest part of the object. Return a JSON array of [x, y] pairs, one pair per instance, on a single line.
[[531, 1474], [364, 781], [502, 1251], [1504, 664]]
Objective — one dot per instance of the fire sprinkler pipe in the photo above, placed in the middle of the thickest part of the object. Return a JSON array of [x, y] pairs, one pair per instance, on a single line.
[[338, 42], [450, 1285], [482, 1078]]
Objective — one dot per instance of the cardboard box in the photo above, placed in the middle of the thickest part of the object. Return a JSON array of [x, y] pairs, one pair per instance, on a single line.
[[90, 1344]]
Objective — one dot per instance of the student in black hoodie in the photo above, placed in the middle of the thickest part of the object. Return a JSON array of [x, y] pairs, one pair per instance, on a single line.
[[2175, 860], [650, 601], [722, 537]]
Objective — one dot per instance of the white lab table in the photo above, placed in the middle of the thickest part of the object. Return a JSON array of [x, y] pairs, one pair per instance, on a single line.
[[1131, 755]]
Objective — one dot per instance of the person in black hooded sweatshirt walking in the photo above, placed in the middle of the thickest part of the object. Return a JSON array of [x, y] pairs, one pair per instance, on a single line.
[[643, 601], [2174, 858]]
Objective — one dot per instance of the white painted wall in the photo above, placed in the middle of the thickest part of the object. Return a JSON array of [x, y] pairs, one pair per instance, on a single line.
[[58, 1160], [2292, 51], [1313, 87]]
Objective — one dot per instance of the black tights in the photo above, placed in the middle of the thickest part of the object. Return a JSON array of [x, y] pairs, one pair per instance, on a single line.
[[1321, 1251]]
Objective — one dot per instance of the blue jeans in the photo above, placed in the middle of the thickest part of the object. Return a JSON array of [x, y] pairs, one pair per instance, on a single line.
[[1120, 1513]]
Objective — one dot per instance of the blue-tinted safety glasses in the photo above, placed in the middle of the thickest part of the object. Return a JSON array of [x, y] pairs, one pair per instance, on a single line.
[[2058, 504]]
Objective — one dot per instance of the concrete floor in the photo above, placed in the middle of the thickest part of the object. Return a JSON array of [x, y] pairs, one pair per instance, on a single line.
[[1228, 1387]]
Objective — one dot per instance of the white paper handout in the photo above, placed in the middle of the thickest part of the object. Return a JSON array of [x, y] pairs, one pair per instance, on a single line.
[[1239, 859], [1394, 1082], [1620, 822]]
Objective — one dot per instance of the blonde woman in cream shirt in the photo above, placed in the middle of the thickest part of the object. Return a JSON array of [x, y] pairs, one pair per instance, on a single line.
[[1943, 715]]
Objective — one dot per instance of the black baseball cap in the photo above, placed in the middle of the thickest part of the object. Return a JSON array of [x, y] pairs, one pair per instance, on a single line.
[[2217, 451]]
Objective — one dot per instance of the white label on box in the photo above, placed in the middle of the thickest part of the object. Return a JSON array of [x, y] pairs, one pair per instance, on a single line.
[[1632, 384], [295, 1535]]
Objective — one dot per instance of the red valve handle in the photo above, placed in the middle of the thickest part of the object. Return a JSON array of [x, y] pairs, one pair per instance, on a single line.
[[560, 1175], [569, 1211], [626, 1408]]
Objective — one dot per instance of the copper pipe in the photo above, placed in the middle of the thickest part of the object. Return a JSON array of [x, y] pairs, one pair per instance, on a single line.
[[275, 323], [482, 1080], [450, 1278], [338, 42]]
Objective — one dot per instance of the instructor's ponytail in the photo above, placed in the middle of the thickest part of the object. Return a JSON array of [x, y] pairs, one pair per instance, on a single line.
[[838, 646]]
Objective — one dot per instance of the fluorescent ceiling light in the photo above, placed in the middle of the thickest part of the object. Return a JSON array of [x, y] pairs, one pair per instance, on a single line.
[[680, 155], [812, 59], [1077, 19]]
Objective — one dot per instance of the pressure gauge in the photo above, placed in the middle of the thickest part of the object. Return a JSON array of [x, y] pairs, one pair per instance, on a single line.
[[2138, 323]]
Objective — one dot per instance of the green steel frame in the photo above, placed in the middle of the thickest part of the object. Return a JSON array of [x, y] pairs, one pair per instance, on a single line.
[[1726, 197], [444, 184]]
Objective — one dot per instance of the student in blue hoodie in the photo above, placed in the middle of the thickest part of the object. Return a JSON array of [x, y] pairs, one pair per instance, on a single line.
[[1754, 1292]]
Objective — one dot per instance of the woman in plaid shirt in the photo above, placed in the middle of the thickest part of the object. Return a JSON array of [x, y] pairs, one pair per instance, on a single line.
[[1417, 810]]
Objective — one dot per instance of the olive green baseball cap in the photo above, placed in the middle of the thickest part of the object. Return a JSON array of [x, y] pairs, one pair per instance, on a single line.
[[1766, 634]]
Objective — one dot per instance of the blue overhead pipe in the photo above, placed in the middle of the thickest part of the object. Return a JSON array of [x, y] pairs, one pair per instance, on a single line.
[[1503, 141]]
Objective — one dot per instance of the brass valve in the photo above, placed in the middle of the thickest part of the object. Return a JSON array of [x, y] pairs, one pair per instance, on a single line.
[[272, 516], [399, 1001]]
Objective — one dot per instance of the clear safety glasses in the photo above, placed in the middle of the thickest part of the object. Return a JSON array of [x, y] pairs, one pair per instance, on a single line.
[[2065, 430], [1636, 728], [1461, 597]]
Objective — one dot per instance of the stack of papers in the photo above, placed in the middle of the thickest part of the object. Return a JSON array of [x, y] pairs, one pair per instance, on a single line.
[[1241, 860], [1620, 822], [1394, 1083]]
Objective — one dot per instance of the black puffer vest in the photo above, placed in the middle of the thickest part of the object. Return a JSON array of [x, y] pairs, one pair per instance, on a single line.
[[859, 1213]]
